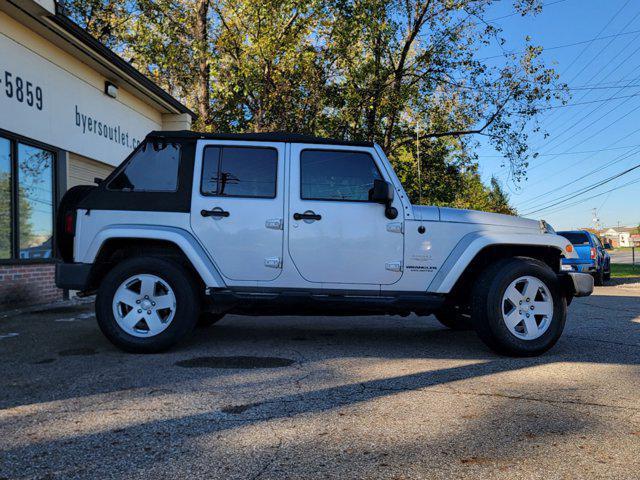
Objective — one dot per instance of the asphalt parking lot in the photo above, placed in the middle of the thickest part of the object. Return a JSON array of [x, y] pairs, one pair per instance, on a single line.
[[356, 397]]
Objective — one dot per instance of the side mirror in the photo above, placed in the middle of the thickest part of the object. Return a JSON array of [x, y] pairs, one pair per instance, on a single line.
[[98, 180], [607, 246], [382, 192]]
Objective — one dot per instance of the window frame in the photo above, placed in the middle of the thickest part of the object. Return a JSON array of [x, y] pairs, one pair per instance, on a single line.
[[14, 213], [366, 152], [221, 147], [129, 159]]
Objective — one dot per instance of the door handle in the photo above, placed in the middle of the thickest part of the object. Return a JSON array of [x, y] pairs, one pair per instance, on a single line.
[[216, 212], [308, 215]]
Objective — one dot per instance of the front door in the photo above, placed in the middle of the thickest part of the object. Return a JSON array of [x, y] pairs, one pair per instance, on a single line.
[[237, 207], [336, 234]]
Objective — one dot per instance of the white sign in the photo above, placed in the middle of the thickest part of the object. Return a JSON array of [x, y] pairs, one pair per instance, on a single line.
[[42, 101]]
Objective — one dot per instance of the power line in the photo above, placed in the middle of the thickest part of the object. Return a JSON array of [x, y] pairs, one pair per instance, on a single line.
[[618, 159], [569, 153], [599, 33], [584, 190], [548, 4], [619, 187], [566, 45]]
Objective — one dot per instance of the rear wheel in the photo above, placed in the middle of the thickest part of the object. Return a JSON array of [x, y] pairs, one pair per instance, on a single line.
[[518, 307], [598, 277], [147, 304]]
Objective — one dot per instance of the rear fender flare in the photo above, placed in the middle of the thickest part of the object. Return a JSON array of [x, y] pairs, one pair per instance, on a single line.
[[202, 263]]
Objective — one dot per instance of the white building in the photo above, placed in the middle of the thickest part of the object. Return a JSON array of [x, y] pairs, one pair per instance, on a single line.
[[70, 111]]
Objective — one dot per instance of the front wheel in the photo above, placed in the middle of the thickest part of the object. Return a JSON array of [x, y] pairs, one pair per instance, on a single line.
[[147, 304], [518, 307]]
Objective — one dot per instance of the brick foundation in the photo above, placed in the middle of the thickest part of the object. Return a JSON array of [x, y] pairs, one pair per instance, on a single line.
[[22, 285]]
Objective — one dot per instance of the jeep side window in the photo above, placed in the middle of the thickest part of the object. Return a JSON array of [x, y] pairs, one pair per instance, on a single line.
[[337, 175], [153, 168], [239, 172]]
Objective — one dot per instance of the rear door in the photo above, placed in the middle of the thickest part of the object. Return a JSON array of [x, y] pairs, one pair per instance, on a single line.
[[237, 207], [336, 234]]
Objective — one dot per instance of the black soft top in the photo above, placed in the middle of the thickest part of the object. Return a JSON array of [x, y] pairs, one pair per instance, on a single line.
[[255, 137]]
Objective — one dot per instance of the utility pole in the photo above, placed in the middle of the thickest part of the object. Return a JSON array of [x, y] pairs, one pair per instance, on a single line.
[[596, 220], [419, 166]]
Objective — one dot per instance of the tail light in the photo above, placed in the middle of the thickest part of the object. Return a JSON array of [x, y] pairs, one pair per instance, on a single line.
[[69, 223], [593, 253]]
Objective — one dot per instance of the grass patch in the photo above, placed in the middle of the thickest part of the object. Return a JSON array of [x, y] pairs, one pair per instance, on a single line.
[[619, 270]]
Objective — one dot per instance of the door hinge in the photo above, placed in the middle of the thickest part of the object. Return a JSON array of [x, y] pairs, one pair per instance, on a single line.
[[393, 266], [274, 224], [395, 227], [273, 262]]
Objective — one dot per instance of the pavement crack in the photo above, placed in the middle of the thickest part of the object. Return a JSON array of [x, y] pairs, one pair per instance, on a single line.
[[541, 400], [269, 462]]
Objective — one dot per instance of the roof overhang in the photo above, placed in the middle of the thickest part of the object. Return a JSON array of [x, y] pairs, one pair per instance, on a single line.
[[45, 18]]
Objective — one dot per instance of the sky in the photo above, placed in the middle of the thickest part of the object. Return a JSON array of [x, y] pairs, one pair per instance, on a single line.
[[596, 138]]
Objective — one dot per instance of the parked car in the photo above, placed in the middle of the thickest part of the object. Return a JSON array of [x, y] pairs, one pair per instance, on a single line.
[[592, 255], [196, 225]]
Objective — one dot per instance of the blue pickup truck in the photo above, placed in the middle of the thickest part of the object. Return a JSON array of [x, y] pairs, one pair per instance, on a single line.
[[593, 257]]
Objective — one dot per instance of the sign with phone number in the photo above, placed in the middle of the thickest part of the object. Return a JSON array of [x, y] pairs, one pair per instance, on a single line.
[[21, 90]]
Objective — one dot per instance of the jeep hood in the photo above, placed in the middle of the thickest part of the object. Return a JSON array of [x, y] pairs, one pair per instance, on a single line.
[[473, 216]]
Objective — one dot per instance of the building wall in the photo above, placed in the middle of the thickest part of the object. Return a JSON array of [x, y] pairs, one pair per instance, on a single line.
[[27, 285], [72, 110], [70, 98], [83, 171]]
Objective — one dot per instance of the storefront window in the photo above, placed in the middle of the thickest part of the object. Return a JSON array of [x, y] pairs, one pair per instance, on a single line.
[[5, 199], [35, 200], [26, 201]]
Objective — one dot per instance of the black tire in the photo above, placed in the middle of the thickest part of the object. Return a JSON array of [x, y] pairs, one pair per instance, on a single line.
[[487, 307], [607, 275], [452, 317], [206, 319], [598, 278], [187, 304]]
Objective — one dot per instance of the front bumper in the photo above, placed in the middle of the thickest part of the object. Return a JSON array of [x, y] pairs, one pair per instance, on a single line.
[[73, 276], [577, 284]]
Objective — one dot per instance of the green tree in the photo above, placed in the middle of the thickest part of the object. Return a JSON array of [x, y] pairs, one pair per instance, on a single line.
[[377, 70], [26, 228]]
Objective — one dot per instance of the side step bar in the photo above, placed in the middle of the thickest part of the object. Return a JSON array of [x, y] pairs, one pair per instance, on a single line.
[[296, 302]]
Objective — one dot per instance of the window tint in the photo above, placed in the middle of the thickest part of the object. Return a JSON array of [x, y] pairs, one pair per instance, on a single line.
[[239, 172], [5, 199], [35, 201], [151, 169], [576, 238], [337, 175]]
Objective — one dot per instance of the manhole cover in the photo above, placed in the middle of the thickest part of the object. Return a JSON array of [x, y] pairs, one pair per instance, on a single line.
[[235, 362]]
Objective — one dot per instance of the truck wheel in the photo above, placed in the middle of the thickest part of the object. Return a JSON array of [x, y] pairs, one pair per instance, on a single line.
[[453, 318], [518, 307], [147, 304], [598, 278]]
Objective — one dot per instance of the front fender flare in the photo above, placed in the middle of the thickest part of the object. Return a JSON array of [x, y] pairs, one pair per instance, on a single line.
[[196, 254], [472, 243]]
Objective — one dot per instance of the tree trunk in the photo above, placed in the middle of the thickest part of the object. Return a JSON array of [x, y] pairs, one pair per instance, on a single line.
[[201, 44]]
